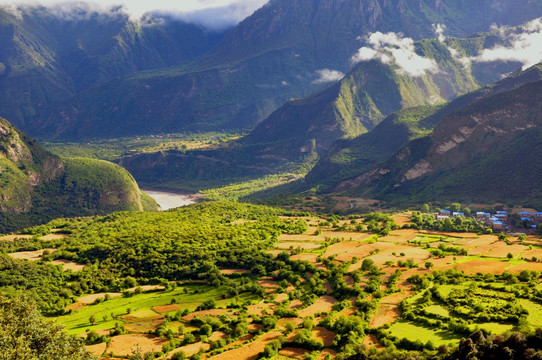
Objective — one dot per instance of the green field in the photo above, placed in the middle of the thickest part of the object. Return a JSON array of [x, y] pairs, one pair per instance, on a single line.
[[496, 328], [141, 306], [413, 332], [438, 310], [535, 311]]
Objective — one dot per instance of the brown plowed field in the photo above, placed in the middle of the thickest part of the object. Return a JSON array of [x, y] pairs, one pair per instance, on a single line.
[[123, 345], [323, 304], [324, 335], [249, 351], [295, 353]]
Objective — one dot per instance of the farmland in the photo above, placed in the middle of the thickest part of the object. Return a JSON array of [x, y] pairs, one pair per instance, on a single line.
[[306, 285]]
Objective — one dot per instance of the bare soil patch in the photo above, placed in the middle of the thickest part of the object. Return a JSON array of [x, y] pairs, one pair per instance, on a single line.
[[326, 352], [501, 250], [402, 219], [68, 265], [234, 271], [123, 345], [51, 237], [371, 341], [189, 350], [349, 280], [29, 255], [260, 309], [211, 312], [268, 284], [255, 327], [296, 245], [146, 288], [483, 266], [281, 298], [296, 304], [533, 266], [15, 237], [346, 251], [249, 351], [89, 299], [295, 353], [166, 308], [395, 299], [323, 304], [217, 335], [386, 314], [324, 335], [97, 349], [143, 325], [312, 258]]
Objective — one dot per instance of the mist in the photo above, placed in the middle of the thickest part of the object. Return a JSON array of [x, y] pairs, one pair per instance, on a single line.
[[211, 14], [394, 49]]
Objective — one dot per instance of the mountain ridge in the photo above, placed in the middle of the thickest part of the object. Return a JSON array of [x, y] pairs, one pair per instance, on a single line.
[[37, 186]]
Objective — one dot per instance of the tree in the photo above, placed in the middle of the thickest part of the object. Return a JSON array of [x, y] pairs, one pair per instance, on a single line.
[[92, 319], [25, 334], [510, 256], [425, 208], [428, 265]]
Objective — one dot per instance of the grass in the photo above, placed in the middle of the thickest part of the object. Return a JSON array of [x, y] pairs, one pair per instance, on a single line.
[[495, 328], [113, 149], [445, 290], [437, 310], [141, 306], [413, 332], [535, 311]]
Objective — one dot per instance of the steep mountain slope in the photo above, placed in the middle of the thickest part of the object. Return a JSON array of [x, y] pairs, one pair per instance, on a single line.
[[270, 57], [303, 130], [36, 186], [48, 55], [487, 151], [349, 158]]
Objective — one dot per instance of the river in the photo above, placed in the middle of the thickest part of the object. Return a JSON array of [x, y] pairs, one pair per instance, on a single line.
[[169, 200]]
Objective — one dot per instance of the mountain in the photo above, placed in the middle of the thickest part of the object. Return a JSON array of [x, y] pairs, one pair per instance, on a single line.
[[302, 130], [51, 54], [484, 152], [37, 186], [349, 158], [278, 53]]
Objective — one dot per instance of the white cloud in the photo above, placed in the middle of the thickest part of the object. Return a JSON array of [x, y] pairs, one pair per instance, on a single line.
[[524, 47], [439, 31], [210, 13], [327, 75], [394, 49]]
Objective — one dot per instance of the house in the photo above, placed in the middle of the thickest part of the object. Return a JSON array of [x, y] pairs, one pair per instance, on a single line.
[[497, 224], [501, 217], [455, 214], [538, 216], [502, 213], [445, 213], [525, 214]]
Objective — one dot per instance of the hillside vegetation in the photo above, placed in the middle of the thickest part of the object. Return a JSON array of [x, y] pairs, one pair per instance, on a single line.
[[349, 158], [482, 152], [37, 186]]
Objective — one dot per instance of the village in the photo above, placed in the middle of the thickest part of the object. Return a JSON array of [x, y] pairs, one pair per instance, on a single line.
[[502, 221]]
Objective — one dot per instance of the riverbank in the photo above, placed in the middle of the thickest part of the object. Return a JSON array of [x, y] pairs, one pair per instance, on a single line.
[[170, 200]]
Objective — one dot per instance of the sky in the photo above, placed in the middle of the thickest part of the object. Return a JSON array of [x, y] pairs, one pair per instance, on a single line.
[[212, 13]]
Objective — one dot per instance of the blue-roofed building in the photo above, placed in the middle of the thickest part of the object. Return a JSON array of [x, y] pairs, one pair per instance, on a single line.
[[502, 212], [525, 219], [497, 224], [455, 214], [444, 214], [538, 215], [533, 226]]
